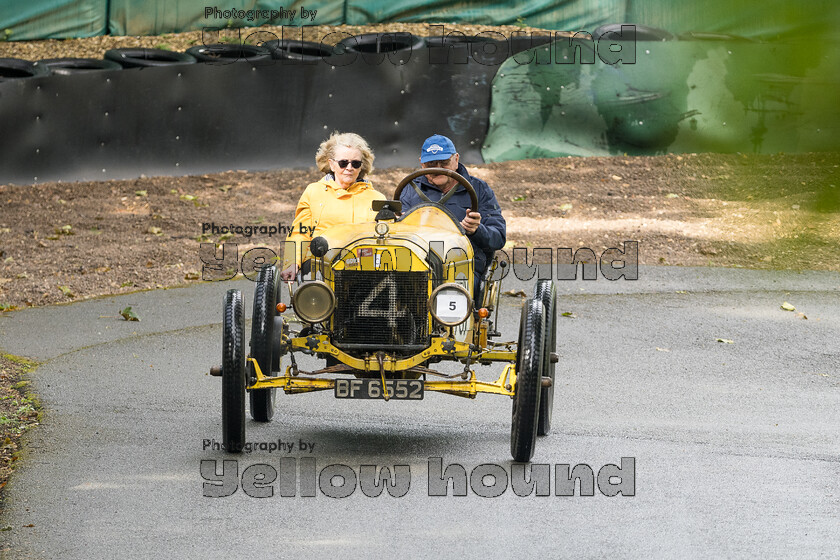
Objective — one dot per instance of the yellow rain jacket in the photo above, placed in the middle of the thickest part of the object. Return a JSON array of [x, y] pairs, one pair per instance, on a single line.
[[325, 204]]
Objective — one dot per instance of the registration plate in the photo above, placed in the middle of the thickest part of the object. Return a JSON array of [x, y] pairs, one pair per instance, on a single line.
[[400, 389]]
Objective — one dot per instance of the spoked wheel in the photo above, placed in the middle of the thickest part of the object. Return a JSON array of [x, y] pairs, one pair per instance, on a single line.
[[233, 373], [529, 366], [547, 294], [262, 340]]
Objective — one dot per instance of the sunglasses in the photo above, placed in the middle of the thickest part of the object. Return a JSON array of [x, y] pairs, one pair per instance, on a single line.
[[436, 163], [342, 163]]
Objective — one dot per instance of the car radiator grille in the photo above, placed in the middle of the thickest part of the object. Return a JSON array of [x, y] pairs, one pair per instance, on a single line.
[[381, 310]]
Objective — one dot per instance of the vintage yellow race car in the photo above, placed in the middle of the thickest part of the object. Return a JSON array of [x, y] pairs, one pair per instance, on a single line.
[[382, 303]]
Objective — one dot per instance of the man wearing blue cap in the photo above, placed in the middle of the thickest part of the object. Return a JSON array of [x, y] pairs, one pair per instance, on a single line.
[[486, 229]]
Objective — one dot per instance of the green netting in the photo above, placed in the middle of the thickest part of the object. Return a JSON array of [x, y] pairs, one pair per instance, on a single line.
[[52, 19], [679, 96], [764, 19], [145, 17], [751, 18], [548, 14]]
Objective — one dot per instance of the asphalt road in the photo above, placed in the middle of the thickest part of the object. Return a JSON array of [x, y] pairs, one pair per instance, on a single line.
[[735, 447]]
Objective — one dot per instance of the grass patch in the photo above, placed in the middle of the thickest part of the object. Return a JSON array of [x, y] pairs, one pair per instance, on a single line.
[[20, 410]]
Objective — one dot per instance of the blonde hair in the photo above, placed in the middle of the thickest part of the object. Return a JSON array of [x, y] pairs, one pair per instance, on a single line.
[[350, 140]]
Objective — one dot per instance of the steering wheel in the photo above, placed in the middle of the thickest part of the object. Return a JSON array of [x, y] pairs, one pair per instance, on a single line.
[[438, 171]]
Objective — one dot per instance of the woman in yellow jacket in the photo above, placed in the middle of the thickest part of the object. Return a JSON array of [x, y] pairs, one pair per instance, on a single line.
[[343, 196]]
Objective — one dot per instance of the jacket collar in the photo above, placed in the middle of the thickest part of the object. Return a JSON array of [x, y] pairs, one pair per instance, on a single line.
[[330, 182]]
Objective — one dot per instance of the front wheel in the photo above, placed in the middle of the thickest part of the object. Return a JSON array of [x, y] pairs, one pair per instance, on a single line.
[[547, 294], [262, 341], [529, 366], [233, 373]]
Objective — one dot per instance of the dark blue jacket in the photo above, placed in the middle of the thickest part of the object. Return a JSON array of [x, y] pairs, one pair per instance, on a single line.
[[491, 233]]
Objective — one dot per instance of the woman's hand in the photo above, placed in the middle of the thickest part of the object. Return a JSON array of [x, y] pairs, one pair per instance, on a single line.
[[289, 274]]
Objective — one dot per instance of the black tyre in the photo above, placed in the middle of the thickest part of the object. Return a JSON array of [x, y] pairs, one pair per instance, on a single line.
[[526, 400], [262, 340], [302, 51], [67, 66], [13, 68], [547, 293], [223, 53], [233, 373], [389, 42], [145, 58], [483, 48]]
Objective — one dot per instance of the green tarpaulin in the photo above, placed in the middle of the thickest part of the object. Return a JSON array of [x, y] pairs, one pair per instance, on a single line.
[[83, 18], [678, 96]]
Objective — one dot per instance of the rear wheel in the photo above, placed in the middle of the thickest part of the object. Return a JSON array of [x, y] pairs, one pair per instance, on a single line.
[[233, 373], [526, 399], [547, 294], [262, 340]]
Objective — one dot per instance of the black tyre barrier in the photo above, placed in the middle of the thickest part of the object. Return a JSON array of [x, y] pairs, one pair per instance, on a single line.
[[117, 135], [383, 42], [303, 51], [519, 43], [67, 66], [489, 48], [399, 47], [222, 53], [640, 33], [704, 36], [14, 68], [144, 58]]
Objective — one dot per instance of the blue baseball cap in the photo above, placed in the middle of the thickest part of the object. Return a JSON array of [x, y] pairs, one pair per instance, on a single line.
[[436, 148]]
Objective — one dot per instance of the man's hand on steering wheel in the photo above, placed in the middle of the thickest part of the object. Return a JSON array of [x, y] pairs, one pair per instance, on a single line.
[[471, 222]]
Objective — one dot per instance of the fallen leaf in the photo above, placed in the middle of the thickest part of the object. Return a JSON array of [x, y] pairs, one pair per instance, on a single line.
[[129, 315], [188, 197], [569, 314], [155, 230], [726, 341], [225, 188], [67, 291], [519, 198], [662, 349], [672, 195], [514, 293], [681, 292], [141, 193], [191, 276], [788, 307]]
